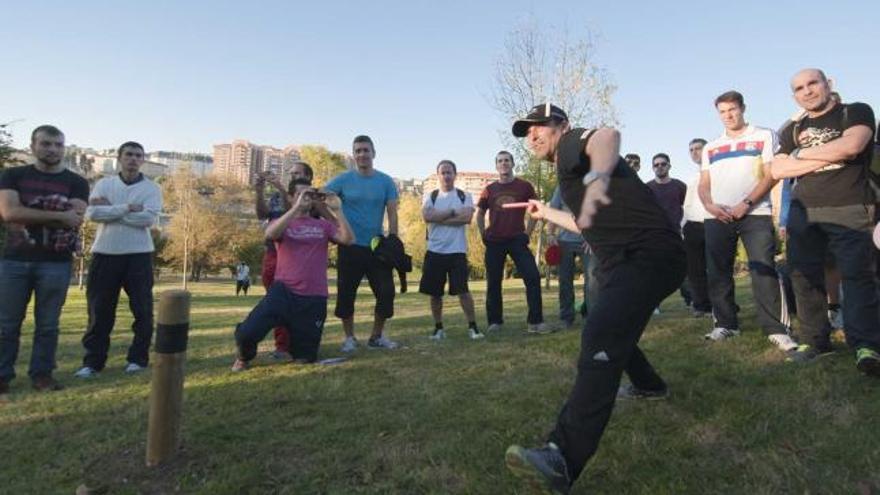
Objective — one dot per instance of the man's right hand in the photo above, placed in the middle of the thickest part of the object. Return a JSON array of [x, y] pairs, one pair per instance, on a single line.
[[721, 212]]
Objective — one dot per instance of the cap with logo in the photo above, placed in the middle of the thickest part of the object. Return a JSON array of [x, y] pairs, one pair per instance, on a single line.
[[539, 114]]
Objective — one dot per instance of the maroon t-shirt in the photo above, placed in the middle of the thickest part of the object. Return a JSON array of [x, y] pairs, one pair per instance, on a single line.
[[505, 224]]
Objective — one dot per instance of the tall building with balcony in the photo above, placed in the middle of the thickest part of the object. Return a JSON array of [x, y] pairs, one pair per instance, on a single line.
[[239, 161]]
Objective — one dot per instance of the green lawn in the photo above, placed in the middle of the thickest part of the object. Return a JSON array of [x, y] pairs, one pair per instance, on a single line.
[[437, 417]]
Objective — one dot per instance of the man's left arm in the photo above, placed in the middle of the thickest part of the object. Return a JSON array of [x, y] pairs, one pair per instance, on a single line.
[[147, 216], [392, 199], [391, 210], [603, 148]]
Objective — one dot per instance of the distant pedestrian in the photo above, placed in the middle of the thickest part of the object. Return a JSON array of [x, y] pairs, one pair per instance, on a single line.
[[242, 278]]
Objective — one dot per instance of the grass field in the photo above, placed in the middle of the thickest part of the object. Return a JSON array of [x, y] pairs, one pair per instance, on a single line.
[[437, 417]]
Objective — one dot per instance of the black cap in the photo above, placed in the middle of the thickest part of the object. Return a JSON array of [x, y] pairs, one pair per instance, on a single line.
[[540, 114]]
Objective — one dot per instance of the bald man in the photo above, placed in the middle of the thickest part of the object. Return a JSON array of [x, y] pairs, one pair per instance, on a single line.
[[832, 208]]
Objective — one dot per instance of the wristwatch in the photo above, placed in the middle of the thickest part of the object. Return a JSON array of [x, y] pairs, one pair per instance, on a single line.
[[749, 202], [594, 176]]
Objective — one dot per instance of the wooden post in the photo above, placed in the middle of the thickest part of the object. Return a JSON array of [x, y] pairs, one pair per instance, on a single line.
[[169, 357]]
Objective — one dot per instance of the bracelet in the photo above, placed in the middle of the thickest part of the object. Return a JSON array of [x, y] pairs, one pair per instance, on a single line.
[[594, 176]]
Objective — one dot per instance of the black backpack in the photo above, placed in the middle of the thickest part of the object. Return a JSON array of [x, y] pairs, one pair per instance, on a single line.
[[461, 197]]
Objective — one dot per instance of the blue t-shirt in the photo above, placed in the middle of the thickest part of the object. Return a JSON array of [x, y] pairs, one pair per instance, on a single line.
[[565, 235], [363, 201]]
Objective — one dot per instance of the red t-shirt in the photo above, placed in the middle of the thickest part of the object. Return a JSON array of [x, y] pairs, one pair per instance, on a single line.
[[505, 224]]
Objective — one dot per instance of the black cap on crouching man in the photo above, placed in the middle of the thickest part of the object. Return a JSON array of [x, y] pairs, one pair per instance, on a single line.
[[540, 114]]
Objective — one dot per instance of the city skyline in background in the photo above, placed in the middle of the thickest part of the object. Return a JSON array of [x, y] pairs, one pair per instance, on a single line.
[[415, 76]]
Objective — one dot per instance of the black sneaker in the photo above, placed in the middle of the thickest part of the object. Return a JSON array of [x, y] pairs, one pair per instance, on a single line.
[[4, 387], [631, 392], [543, 469], [868, 361], [805, 353]]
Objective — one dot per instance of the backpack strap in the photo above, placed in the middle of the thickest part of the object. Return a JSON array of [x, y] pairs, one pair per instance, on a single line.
[[434, 194], [461, 195]]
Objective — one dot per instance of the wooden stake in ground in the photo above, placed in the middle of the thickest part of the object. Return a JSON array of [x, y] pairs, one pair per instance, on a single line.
[[169, 357]]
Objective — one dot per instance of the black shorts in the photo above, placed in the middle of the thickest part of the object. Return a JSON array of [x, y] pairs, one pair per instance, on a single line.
[[355, 262], [438, 267]]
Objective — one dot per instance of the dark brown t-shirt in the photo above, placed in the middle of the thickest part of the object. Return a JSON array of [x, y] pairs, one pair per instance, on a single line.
[[505, 224]]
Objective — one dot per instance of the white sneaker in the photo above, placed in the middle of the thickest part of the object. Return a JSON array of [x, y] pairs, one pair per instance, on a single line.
[[656, 311], [382, 343], [86, 372], [718, 334], [494, 327], [475, 334], [349, 345], [835, 317], [134, 368], [438, 335], [783, 341]]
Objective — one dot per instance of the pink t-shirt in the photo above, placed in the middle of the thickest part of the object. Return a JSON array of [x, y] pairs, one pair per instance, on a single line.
[[302, 256]]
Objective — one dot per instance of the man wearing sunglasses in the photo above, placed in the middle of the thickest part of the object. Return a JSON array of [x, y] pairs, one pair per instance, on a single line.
[[124, 206], [670, 194]]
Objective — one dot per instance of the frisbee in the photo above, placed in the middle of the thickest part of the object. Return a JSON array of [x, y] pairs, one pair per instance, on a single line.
[[511, 206], [877, 236]]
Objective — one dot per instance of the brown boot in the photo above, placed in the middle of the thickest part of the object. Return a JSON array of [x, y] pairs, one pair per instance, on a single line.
[[4, 387], [45, 383]]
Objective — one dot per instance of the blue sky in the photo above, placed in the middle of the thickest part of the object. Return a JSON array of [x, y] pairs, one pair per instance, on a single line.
[[414, 75]]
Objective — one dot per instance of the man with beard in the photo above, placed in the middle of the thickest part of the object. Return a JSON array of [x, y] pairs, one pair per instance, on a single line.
[[43, 207]]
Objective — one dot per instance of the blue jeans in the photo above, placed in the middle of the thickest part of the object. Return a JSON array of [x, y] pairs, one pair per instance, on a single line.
[[568, 252], [48, 281]]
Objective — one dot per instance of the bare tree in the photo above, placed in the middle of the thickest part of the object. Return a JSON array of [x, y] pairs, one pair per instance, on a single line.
[[545, 64], [541, 64]]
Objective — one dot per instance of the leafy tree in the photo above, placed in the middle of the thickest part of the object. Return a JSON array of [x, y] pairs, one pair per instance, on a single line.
[[325, 163], [210, 225], [7, 152]]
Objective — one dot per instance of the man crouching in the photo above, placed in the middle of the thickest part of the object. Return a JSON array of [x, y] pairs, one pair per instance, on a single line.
[[297, 300]]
